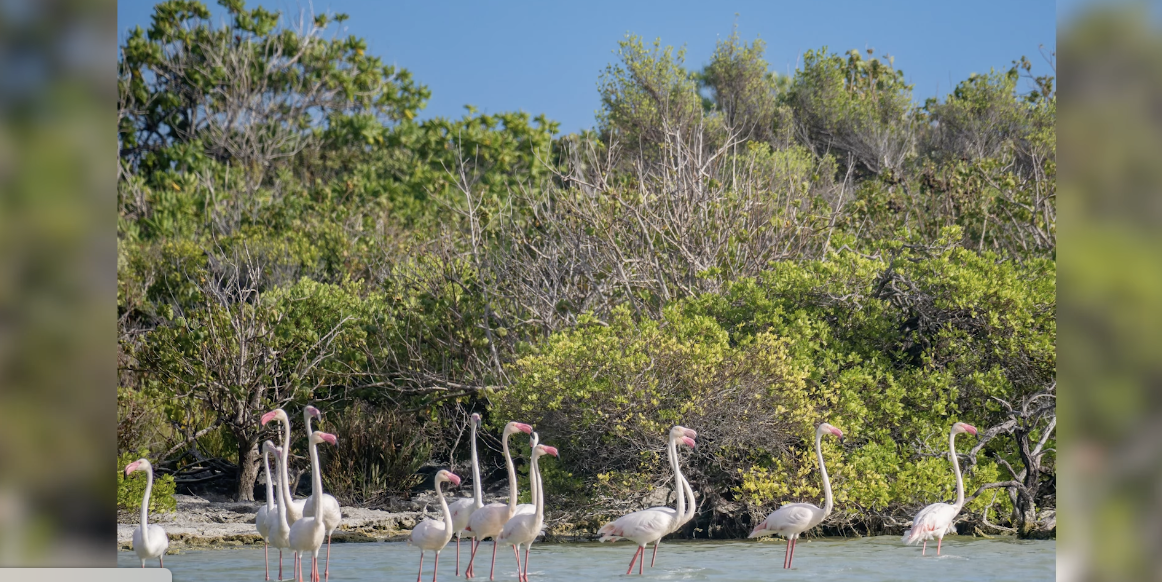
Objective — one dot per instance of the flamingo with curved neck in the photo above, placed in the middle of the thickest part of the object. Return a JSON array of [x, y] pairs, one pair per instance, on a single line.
[[431, 534], [937, 519], [487, 521], [463, 508], [793, 519], [524, 528], [262, 517], [332, 514], [149, 541], [294, 507], [278, 525], [306, 535]]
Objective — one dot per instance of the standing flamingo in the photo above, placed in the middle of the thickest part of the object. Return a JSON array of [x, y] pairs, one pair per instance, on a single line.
[[792, 519], [683, 488], [524, 528], [431, 534], [294, 507], [149, 541], [306, 535], [262, 518], [462, 509], [278, 527], [487, 521], [332, 516], [650, 525], [936, 519]]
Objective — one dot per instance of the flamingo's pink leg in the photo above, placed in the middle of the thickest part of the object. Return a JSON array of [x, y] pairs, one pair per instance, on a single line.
[[516, 553], [266, 547], [437, 566], [161, 561], [492, 571], [468, 571], [787, 553], [327, 570], [640, 549], [791, 558], [527, 562], [656, 544], [924, 550], [280, 563], [938, 542], [457, 554], [421, 572]]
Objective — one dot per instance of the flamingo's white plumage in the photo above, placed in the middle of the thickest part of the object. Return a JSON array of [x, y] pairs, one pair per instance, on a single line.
[[793, 519], [332, 515], [650, 525], [278, 527], [936, 520], [149, 541], [307, 534], [262, 518], [487, 521], [462, 509], [523, 529], [294, 507], [431, 534]]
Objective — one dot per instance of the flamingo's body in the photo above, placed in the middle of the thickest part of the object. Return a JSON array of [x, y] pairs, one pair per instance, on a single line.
[[793, 519], [650, 525], [262, 518], [462, 509], [149, 541], [332, 515], [487, 521], [307, 534], [523, 529], [937, 519], [278, 527], [434, 535]]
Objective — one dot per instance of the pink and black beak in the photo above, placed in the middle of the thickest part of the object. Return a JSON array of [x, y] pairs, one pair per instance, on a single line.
[[329, 438], [551, 451], [311, 410], [689, 441], [131, 467], [527, 429], [454, 479], [270, 416], [838, 433], [968, 428], [691, 433]]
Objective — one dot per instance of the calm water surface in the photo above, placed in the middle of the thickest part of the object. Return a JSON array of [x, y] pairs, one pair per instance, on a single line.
[[865, 559]]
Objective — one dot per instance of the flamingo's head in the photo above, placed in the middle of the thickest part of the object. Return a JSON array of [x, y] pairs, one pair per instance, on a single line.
[[268, 447], [963, 427], [319, 436], [476, 418], [546, 450], [515, 426], [276, 414], [825, 428], [447, 476], [138, 465], [759, 530], [312, 412]]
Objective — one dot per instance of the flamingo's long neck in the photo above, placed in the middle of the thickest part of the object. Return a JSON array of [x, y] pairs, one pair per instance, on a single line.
[[269, 483], [285, 481], [317, 483], [477, 496], [538, 491], [444, 508], [827, 501], [145, 505], [512, 486], [672, 449], [956, 469], [284, 525], [689, 492]]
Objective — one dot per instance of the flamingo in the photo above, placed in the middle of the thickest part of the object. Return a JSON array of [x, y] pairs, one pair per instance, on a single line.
[[649, 525], [462, 509], [524, 528], [487, 521], [261, 519], [792, 519], [332, 516], [683, 488], [149, 541], [278, 527], [306, 535], [294, 507], [936, 519], [431, 534]]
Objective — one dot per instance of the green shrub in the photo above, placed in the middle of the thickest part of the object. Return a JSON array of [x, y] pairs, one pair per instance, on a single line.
[[130, 489]]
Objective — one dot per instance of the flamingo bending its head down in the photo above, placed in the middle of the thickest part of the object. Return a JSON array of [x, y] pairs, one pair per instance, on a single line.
[[793, 519], [149, 541], [650, 525], [936, 520], [431, 534]]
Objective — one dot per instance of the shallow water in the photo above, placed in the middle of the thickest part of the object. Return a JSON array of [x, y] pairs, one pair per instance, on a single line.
[[865, 559]]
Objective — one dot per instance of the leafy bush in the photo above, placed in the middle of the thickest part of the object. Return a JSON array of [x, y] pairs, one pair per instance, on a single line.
[[131, 489]]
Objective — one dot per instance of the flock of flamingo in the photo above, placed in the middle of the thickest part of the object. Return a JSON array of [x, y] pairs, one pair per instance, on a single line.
[[302, 526]]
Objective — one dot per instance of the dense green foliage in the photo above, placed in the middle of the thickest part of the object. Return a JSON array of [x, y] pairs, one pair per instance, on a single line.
[[741, 252], [131, 489]]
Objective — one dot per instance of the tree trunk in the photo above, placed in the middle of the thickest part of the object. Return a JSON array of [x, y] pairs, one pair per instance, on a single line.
[[247, 466]]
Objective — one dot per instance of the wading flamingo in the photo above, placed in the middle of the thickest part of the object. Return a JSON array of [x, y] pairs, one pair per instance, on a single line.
[[278, 528], [294, 507], [683, 488], [306, 535], [793, 519], [524, 529], [262, 518], [936, 519], [332, 516], [650, 525], [487, 521], [463, 508], [431, 534], [149, 541]]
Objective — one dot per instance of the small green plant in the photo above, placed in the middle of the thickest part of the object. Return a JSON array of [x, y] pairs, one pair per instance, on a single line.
[[130, 489]]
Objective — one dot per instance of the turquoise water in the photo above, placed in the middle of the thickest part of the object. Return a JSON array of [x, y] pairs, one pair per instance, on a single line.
[[864, 559]]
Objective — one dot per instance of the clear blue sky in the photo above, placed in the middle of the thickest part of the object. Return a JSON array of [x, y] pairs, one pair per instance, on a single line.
[[546, 57]]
